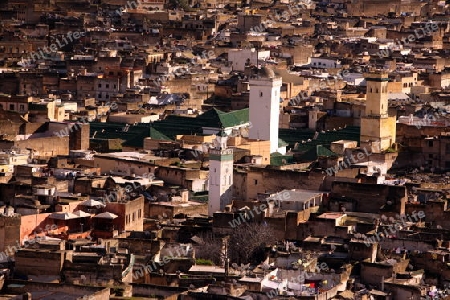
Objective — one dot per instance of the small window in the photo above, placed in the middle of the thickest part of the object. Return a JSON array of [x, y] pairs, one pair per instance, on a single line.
[[447, 149], [99, 85], [260, 94], [256, 181], [430, 144]]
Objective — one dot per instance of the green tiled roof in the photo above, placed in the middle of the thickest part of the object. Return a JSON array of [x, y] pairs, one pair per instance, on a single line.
[[278, 159], [219, 119], [282, 143], [292, 136], [301, 137], [173, 125], [168, 128], [315, 152], [133, 136], [157, 135]]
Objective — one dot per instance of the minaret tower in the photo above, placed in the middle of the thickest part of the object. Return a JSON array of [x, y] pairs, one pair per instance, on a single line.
[[378, 130], [220, 175], [265, 107]]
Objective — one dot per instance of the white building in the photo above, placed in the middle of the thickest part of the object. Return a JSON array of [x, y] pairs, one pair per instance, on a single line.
[[265, 108], [220, 175], [356, 79], [325, 62], [240, 57]]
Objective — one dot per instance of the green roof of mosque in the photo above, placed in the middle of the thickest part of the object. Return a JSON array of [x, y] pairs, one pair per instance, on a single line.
[[157, 135], [292, 136], [138, 140], [217, 118], [133, 135], [278, 159], [304, 140], [315, 152], [173, 125], [168, 128], [282, 143]]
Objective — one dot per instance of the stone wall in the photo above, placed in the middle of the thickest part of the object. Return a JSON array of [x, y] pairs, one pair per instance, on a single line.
[[370, 198], [19, 287], [253, 181]]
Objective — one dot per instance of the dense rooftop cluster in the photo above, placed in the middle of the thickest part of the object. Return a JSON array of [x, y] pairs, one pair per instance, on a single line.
[[258, 149]]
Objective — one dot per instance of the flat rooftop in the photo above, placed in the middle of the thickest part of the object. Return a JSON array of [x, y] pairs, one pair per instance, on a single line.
[[130, 156], [295, 195], [331, 215]]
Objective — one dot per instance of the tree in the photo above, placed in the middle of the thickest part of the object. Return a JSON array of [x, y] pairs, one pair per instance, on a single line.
[[248, 242], [209, 248]]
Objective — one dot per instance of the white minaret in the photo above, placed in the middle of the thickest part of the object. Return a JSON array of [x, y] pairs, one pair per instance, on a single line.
[[265, 107], [220, 175]]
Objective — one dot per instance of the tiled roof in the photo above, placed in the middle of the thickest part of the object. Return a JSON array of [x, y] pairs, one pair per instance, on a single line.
[[133, 136], [277, 159], [304, 139], [173, 125], [219, 119], [315, 152], [168, 128]]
